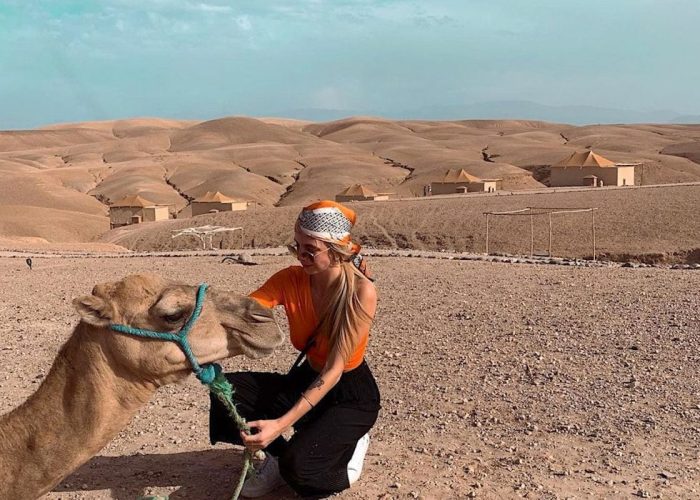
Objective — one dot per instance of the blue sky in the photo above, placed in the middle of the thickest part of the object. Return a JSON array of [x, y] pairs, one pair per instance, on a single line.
[[69, 60]]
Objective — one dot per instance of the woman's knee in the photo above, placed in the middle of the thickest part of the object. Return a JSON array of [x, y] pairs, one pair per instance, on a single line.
[[307, 480], [292, 467]]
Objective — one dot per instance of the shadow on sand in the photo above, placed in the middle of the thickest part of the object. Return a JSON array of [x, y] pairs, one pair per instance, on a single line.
[[196, 475]]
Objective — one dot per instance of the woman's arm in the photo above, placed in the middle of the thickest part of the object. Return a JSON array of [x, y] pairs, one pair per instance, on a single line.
[[269, 430]]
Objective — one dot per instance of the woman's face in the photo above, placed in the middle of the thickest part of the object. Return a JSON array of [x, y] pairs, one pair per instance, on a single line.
[[313, 254]]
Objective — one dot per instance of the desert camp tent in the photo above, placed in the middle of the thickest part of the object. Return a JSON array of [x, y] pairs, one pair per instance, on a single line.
[[590, 169], [134, 209], [216, 202], [358, 192], [460, 181]]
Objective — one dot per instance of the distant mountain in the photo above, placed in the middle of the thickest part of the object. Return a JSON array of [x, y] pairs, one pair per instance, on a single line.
[[576, 115], [687, 119], [315, 114], [501, 110]]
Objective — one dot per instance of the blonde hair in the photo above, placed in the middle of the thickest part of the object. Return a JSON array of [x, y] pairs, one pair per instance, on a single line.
[[343, 312]]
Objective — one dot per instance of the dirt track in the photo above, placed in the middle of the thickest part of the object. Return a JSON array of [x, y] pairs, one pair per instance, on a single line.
[[504, 380]]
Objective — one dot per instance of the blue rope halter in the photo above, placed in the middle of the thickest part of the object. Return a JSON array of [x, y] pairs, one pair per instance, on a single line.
[[209, 374], [205, 373]]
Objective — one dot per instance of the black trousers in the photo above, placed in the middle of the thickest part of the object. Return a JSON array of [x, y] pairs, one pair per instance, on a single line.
[[314, 461]]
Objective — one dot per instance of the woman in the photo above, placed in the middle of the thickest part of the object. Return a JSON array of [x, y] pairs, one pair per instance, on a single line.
[[331, 399]]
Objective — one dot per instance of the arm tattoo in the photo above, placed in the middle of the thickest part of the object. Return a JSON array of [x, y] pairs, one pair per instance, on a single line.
[[317, 383]]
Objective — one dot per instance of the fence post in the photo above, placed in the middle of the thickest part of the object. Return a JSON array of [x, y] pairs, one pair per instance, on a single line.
[[487, 234], [593, 227], [550, 234]]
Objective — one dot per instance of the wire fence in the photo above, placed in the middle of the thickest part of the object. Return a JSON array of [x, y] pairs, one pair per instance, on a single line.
[[533, 212]]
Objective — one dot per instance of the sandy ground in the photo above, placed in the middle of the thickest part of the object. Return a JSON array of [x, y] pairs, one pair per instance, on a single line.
[[498, 381]]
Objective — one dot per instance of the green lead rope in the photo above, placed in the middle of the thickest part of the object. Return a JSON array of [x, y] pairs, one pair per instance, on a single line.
[[210, 375], [223, 390]]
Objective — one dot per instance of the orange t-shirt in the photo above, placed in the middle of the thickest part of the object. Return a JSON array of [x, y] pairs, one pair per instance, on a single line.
[[291, 287]]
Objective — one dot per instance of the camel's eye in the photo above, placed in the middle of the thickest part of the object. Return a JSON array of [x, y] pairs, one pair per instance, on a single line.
[[174, 318], [172, 307]]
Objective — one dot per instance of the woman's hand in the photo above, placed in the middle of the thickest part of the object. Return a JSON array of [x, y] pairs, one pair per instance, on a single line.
[[267, 432]]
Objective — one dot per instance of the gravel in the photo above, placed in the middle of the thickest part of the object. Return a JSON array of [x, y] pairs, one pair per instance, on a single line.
[[499, 380]]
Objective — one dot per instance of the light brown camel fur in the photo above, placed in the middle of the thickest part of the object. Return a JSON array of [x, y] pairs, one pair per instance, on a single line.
[[100, 378]]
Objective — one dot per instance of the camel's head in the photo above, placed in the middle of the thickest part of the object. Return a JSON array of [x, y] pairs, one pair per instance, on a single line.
[[229, 324]]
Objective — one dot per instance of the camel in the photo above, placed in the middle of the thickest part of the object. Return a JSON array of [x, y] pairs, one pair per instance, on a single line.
[[100, 378]]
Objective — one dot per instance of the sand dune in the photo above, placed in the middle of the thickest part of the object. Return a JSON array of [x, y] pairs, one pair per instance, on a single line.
[[196, 177], [44, 191], [430, 148], [127, 127], [511, 125], [235, 130], [26, 140], [79, 179], [50, 225], [282, 162], [292, 123], [150, 180], [689, 150]]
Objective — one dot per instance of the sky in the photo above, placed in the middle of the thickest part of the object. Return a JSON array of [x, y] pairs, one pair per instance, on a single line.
[[71, 60]]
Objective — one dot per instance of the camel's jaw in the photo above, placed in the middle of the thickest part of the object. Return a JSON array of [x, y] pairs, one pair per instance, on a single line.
[[254, 341], [175, 377]]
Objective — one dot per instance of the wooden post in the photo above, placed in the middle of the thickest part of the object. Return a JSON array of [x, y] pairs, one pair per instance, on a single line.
[[532, 236], [487, 234], [593, 228], [550, 234]]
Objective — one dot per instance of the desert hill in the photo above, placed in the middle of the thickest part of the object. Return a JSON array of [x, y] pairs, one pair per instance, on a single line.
[[654, 225], [72, 172]]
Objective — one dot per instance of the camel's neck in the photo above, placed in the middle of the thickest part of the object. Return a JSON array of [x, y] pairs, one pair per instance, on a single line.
[[81, 405]]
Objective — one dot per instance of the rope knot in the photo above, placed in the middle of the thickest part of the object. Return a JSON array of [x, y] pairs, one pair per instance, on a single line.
[[208, 373]]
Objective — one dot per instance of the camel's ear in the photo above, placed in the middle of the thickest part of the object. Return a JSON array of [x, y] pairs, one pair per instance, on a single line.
[[93, 310]]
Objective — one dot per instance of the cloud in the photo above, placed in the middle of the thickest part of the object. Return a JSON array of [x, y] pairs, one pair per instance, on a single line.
[[244, 23], [219, 55], [219, 9]]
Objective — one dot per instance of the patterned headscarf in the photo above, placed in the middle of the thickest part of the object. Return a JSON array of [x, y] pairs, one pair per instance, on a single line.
[[331, 222]]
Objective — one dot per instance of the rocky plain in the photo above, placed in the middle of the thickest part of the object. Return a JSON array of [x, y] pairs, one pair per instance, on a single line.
[[518, 375], [499, 380]]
